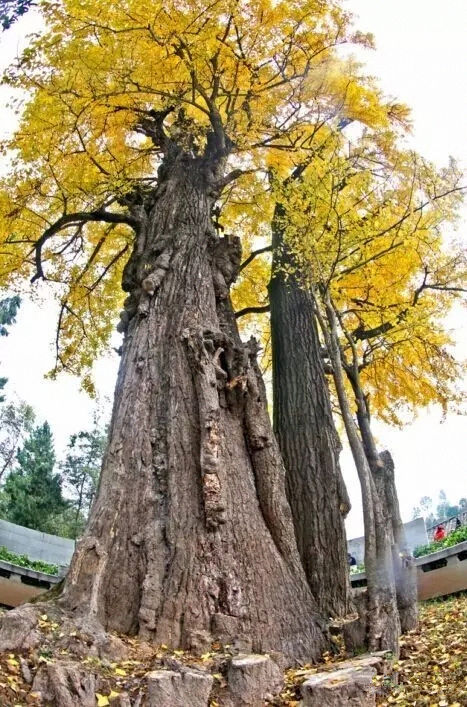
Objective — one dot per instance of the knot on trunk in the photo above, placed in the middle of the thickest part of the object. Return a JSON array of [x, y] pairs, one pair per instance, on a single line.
[[226, 258], [387, 461], [230, 361], [152, 282], [142, 277], [252, 347], [91, 554], [223, 376]]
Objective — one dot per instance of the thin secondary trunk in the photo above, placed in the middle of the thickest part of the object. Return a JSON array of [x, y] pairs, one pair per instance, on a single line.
[[80, 503], [383, 617], [382, 469], [405, 571], [308, 439], [191, 533]]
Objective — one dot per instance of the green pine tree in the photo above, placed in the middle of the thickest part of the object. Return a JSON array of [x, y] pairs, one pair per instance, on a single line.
[[11, 10], [32, 495]]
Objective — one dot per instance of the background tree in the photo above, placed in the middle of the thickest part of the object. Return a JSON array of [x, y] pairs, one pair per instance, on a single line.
[[444, 509], [424, 509], [8, 310], [382, 619], [302, 410], [402, 219], [362, 220], [11, 10], [308, 439], [413, 233], [16, 421], [32, 494], [80, 473]]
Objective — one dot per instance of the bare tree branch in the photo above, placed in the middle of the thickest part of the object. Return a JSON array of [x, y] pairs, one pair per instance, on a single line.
[[72, 220], [232, 176], [253, 255], [252, 310]]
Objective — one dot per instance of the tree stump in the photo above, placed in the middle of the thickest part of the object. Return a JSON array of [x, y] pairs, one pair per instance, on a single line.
[[341, 688]]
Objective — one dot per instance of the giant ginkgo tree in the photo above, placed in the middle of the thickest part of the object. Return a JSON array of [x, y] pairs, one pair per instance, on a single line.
[[139, 115]]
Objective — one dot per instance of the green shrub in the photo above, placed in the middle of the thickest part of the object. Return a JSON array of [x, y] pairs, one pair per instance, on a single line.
[[355, 569], [24, 561], [457, 536]]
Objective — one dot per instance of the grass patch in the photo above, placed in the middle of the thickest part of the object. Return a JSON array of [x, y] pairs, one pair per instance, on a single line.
[[25, 561]]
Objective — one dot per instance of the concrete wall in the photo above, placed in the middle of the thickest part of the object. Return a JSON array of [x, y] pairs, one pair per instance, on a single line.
[[13, 592], [415, 532], [20, 584], [36, 545], [438, 574], [443, 572]]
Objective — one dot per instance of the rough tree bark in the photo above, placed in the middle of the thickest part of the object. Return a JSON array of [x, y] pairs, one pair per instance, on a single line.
[[405, 571], [190, 532], [382, 469], [383, 617], [307, 437]]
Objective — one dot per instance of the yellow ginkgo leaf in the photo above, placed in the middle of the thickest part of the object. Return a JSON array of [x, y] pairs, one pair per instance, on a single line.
[[102, 700]]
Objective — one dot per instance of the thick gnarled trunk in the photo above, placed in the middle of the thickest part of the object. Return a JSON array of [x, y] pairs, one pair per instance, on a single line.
[[308, 441], [191, 533]]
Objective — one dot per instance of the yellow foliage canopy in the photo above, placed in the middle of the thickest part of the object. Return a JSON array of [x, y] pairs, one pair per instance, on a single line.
[[261, 74], [364, 221], [267, 78]]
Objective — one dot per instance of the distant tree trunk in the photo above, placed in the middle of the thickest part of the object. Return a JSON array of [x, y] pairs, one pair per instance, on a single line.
[[307, 438], [78, 507], [405, 571], [382, 469], [191, 531], [383, 617]]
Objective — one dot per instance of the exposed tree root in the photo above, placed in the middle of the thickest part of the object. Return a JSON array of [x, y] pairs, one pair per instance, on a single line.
[[53, 659], [44, 626], [57, 653]]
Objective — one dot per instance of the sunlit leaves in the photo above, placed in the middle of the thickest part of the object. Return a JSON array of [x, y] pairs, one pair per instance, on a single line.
[[269, 74], [263, 72], [365, 223]]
